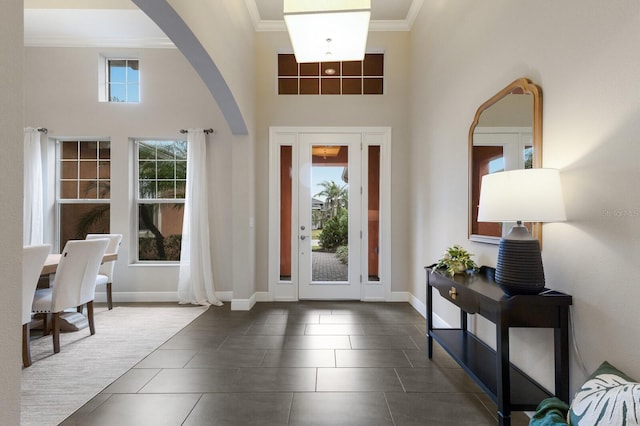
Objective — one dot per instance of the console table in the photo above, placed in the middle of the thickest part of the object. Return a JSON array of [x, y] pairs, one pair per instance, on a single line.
[[505, 384]]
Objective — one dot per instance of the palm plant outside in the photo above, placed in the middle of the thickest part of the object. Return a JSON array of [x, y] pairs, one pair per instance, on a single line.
[[335, 224], [335, 196]]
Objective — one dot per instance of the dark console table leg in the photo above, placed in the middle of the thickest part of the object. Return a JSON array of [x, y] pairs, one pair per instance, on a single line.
[[429, 319], [503, 374], [561, 343], [504, 420]]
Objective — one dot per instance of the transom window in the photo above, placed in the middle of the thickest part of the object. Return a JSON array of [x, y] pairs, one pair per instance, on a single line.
[[161, 170], [84, 188], [123, 80], [364, 77]]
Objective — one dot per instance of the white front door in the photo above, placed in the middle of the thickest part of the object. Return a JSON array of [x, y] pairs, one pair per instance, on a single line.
[[329, 213], [329, 231]]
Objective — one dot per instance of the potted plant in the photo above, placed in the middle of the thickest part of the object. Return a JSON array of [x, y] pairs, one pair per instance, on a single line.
[[456, 260]]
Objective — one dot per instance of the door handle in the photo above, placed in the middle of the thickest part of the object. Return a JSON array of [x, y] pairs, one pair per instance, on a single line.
[[303, 237]]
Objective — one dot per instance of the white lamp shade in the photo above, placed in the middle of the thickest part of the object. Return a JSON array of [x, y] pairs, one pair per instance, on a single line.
[[328, 30], [528, 195]]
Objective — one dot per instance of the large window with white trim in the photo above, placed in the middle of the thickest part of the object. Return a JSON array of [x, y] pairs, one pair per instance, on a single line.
[[161, 173], [83, 195]]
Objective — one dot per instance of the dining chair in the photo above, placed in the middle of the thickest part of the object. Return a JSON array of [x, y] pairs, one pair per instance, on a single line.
[[33, 258], [74, 283], [105, 275]]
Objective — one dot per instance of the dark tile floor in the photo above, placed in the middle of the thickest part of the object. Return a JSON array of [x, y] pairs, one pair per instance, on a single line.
[[305, 363]]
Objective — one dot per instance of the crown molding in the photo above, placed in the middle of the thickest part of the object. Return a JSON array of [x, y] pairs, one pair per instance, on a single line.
[[148, 42], [416, 5]]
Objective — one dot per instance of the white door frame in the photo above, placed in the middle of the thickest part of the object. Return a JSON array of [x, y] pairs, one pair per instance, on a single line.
[[288, 136]]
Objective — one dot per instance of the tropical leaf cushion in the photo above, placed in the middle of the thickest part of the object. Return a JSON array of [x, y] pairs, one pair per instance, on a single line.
[[550, 412], [608, 397]]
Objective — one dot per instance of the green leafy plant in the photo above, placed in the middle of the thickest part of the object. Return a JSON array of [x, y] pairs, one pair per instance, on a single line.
[[335, 232], [342, 253], [456, 260]]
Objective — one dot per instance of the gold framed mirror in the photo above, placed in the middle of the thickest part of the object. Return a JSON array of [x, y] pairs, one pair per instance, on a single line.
[[506, 134]]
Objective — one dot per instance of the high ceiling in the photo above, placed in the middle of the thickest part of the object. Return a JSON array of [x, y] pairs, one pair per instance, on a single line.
[[392, 12], [119, 23]]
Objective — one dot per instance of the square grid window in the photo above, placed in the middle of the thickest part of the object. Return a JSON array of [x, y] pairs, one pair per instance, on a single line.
[[161, 170], [123, 80], [364, 77], [84, 188]]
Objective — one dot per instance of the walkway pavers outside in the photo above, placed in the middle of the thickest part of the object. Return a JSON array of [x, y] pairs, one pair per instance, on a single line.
[[327, 267]]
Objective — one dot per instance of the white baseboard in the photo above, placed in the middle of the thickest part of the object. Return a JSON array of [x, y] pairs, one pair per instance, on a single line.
[[153, 296], [243, 304], [440, 323], [140, 296]]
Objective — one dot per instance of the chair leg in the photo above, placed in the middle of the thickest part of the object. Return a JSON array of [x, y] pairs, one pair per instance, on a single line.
[[92, 326], [79, 309], [56, 332], [46, 324], [109, 298], [26, 345]]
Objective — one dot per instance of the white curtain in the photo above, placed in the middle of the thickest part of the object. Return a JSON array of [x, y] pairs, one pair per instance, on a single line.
[[195, 284], [33, 223]]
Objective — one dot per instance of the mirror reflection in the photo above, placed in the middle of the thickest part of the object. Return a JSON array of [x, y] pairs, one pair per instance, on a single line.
[[505, 135]]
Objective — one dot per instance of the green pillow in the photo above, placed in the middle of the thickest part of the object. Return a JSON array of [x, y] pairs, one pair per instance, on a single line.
[[608, 397], [550, 412]]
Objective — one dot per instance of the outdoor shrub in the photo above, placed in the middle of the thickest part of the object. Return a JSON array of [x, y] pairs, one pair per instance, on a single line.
[[342, 253], [335, 232], [148, 249], [172, 246]]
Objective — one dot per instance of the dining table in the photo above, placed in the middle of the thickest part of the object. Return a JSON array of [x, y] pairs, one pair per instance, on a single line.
[[53, 259]]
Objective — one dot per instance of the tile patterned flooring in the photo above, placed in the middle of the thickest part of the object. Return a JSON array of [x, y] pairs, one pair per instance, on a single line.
[[305, 363]]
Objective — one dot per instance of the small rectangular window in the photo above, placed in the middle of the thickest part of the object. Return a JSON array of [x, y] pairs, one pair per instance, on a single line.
[[123, 80], [161, 177]]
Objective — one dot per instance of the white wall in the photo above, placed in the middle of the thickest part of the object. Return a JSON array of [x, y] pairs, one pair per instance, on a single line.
[[390, 109], [581, 53], [11, 161], [226, 32], [61, 89]]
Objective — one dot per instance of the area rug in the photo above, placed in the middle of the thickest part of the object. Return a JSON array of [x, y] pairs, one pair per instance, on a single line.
[[57, 385]]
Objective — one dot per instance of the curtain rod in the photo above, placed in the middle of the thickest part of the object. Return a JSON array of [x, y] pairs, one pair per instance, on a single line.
[[207, 131], [42, 129]]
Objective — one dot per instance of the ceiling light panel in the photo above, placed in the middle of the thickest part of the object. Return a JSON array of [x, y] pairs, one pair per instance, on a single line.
[[328, 30]]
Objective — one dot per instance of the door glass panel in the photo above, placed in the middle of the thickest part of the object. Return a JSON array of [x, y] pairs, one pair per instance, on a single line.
[[329, 213], [486, 159], [373, 213], [286, 164]]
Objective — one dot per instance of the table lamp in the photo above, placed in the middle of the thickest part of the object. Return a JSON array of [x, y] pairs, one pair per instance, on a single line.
[[526, 195]]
